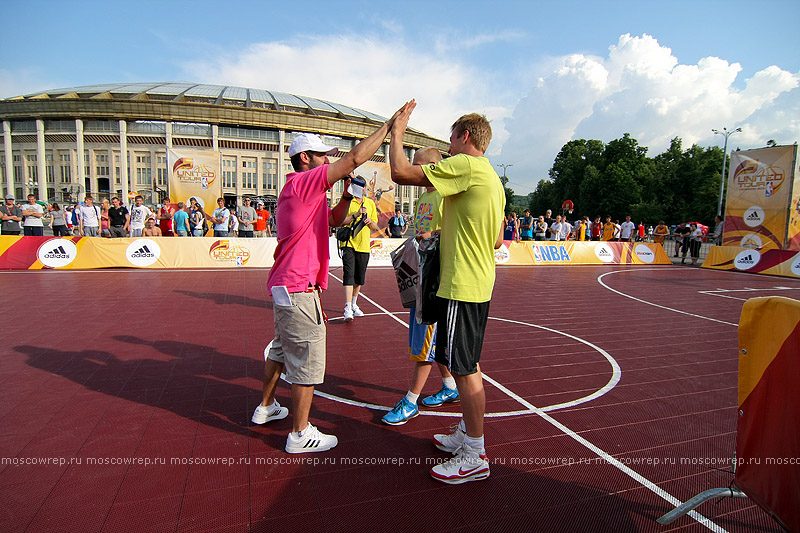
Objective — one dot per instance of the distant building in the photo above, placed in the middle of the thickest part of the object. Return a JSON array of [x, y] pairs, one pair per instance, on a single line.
[[63, 143]]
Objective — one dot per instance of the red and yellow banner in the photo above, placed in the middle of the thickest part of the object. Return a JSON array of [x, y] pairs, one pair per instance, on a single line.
[[774, 262], [767, 438], [581, 253], [759, 194], [380, 189], [194, 173]]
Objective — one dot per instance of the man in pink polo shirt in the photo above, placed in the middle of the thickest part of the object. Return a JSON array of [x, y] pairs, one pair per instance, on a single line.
[[300, 274]]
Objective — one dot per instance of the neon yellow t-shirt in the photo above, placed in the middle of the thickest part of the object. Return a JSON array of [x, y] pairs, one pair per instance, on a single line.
[[428, 214], [472, 214], [360, 242]]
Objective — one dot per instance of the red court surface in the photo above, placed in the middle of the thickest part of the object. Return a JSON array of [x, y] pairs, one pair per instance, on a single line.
[[125, 399]]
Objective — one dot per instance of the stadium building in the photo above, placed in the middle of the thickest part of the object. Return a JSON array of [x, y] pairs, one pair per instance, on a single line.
[[113, 139]]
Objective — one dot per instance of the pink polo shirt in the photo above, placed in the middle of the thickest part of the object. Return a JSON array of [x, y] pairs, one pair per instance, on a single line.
[[302, 255]]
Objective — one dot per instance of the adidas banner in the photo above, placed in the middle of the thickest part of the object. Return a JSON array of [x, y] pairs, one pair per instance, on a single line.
[[776, 262], [760, 186]]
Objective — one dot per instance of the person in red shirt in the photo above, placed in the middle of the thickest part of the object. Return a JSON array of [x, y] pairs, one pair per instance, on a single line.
[[640, 232], [262, 219], [165, 213], [597, 228]]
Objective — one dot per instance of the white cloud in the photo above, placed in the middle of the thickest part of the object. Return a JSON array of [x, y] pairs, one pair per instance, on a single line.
[[641, 89], [375, 74]]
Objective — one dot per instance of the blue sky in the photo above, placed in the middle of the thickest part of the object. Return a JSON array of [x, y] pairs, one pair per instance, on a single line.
[[543, 72]]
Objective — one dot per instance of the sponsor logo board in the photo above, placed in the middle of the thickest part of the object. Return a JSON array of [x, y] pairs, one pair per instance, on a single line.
[[502, 255], [223, 251], [746, 259], [644, 253], [604, 253], [143, 252], [754, 216], [57, 253]]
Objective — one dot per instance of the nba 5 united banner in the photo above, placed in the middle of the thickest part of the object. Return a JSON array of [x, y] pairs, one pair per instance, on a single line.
[[759, 198], [194, 173]]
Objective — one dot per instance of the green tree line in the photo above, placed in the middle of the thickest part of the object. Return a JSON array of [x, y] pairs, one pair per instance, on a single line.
[[618, 179]]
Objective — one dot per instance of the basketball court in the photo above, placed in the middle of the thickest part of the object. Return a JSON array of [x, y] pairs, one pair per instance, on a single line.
[[611, 398]]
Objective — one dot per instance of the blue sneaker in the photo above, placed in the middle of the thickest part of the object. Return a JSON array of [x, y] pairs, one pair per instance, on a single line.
[[402, 413], [443, 396]]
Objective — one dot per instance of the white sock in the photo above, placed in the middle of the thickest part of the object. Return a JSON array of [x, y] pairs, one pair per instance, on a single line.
[[298, 434], [476, 443], [450, 382], [355, 299], [462, 426], [411, 397], [348, 305]]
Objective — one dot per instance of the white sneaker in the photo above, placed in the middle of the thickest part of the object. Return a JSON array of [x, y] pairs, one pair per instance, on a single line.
[[468, 464], [311, 440], [268, 413], [357, 311], [450, 443], [348, 313]]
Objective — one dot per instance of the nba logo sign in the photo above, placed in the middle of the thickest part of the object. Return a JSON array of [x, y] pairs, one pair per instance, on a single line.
[[239, 261], [204, 182]]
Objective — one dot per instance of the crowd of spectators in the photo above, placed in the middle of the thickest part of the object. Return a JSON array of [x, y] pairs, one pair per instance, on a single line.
[[112, 219]]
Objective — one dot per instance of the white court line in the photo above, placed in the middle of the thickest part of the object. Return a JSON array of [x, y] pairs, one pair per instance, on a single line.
[[599, 452], [601, 282], [719, 292]]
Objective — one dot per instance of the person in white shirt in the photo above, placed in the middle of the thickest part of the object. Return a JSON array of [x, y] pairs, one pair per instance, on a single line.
[[139, 214], [220, 219], [627, 230], [89, 218], [32, 214], [555, 229], [566, 230]]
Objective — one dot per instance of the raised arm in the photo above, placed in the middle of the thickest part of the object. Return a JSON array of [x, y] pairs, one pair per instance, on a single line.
[[403, 172]]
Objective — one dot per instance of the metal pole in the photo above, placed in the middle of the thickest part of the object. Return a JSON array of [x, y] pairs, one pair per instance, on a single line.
[[725, 133]]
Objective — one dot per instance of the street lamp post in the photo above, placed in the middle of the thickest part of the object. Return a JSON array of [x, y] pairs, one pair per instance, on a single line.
[[725, 133], [505, 166]]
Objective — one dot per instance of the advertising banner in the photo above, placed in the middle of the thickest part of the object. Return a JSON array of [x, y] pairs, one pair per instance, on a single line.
[[380, 190], [194, 173], [793, 236], [81, 253], [759, 193], [775, 262]]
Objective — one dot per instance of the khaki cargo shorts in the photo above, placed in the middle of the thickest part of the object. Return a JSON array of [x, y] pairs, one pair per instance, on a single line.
[[300, 339]]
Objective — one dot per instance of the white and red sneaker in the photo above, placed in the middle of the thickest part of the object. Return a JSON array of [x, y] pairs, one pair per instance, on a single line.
[[466, 465]]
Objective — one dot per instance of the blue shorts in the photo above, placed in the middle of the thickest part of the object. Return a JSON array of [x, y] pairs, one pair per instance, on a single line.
[[421, 339]]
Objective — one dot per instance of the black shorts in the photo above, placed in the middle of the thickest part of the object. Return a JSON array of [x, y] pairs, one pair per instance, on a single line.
[[354, 266], [461, 328]]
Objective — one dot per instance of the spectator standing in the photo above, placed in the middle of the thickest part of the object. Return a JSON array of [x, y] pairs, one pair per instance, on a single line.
[[660, 234], [32, 214], [719, 225], [548, 218], [180, 221], [198, 217], [695, 241], [220, 219], [526, 226], [139, 213], [11, 214], [597, 229], [89, 217], [397, 225], [355, 253], [555, 229], [510, 231], [608, 229], [682, 236], [105, 230], [262, 222], [641, 232], [247, 217], [165, 213], [540, 229], [472, 218], [566, 230], [58, 222], [118, 219], [580, 229], [627, 230]]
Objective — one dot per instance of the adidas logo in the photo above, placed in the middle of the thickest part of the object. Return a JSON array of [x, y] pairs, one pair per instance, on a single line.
[[603, 252], [57, 253], [746, 260], [312, 443], [753, 215], [144, 251]]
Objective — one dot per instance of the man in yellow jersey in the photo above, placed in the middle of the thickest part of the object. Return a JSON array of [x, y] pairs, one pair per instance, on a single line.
[[355, 253], [422, 337], [608, 230], [472, 217]]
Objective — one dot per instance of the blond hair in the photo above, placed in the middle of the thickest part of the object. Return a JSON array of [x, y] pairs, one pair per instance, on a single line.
[[480, 132], [426, 155]]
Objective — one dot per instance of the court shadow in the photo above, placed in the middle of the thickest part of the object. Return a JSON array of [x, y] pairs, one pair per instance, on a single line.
[[229, 299]]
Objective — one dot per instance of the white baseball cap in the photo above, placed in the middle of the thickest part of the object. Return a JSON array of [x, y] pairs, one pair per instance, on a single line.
[[306, 142]]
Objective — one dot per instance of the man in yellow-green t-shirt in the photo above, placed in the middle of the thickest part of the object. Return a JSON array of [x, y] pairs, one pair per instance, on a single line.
[[472, 216], [355, 254]]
